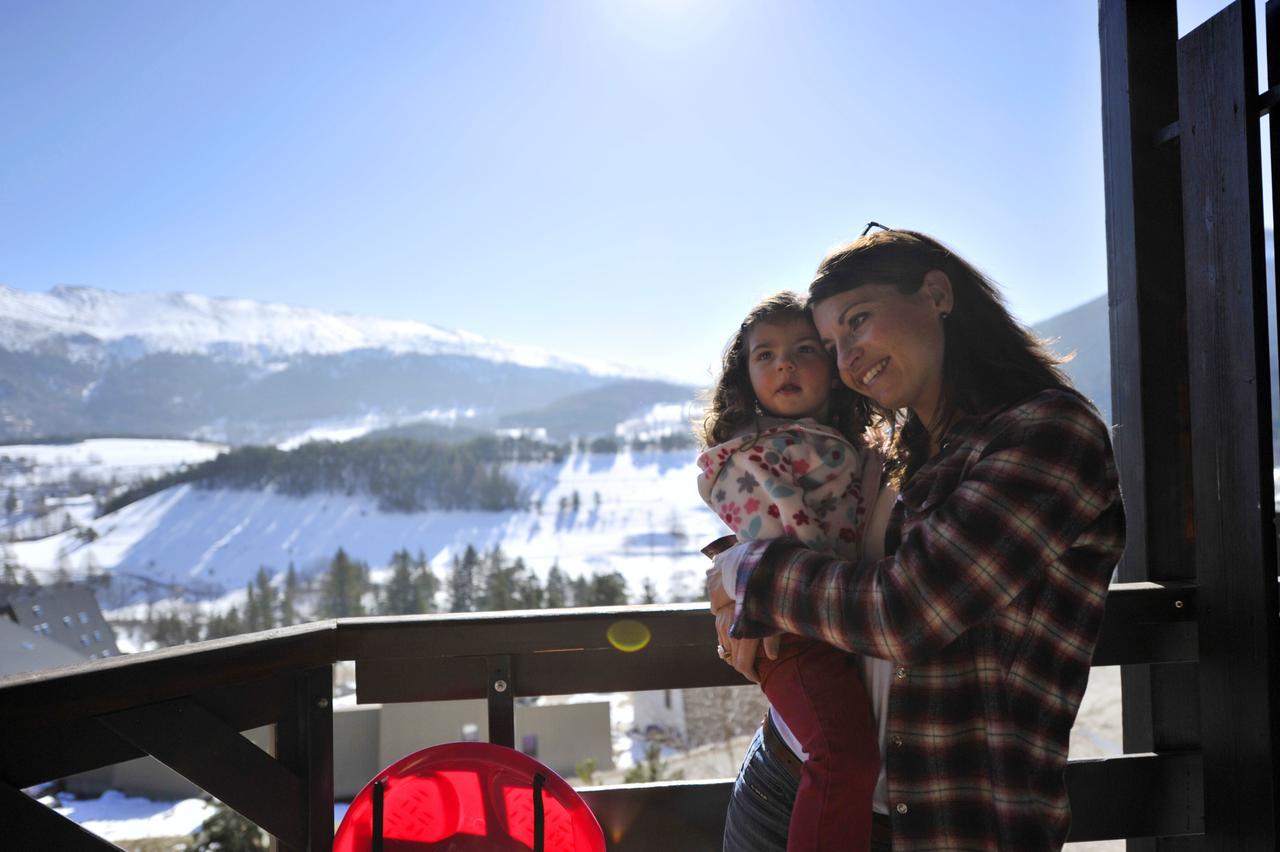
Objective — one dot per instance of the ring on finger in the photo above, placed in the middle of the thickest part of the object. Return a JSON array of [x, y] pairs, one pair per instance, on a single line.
[[722, 651]]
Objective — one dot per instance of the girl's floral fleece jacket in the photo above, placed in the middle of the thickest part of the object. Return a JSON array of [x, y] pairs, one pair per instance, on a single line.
[[793, 478]]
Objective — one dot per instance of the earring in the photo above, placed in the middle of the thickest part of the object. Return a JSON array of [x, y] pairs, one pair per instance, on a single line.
[[943, 316], [759, 410]]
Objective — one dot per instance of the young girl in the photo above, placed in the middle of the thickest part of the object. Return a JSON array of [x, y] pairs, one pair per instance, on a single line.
[[785, 456]]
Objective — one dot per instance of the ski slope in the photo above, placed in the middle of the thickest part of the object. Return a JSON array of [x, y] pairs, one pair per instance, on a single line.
[[647, 522]]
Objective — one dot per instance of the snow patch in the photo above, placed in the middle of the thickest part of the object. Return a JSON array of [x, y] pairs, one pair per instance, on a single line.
[[115, 816]]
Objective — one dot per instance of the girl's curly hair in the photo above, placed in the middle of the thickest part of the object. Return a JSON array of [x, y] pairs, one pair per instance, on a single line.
[[732, 406]]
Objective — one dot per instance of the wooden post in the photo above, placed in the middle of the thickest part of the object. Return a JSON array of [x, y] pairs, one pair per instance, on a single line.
[[501, 696], [1149, 373], [304, 743], [1230, 428]]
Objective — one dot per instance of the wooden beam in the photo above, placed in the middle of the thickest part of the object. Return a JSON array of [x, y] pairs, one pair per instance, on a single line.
[[30, 825], [1273, 126], [193, 742], [116, 683], [1149, 355], [34, 751], [526, 631], [1231, 429], [1135, 796], [559, 673], [1148, 622], [683, 815]]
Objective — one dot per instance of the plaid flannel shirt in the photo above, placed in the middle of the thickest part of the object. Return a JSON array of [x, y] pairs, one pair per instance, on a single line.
[[989, 609]]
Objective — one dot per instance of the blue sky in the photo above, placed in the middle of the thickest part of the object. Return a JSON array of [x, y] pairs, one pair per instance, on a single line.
[[610, 179]]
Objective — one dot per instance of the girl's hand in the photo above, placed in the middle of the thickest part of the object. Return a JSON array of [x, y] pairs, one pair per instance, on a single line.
[[739, 653]]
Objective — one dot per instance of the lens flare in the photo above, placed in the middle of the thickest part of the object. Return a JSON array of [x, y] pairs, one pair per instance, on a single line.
[[628, 636]]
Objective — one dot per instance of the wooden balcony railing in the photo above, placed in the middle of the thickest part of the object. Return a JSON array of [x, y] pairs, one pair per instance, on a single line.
[[186, 706]]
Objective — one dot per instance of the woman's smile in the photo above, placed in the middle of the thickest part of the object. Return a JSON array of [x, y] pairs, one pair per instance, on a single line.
[[870, 376]]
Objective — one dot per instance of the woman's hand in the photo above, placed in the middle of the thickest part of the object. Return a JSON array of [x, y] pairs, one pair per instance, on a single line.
[[739, 653]]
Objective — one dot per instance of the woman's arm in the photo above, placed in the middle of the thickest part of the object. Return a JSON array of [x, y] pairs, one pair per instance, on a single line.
[[1043, 479]]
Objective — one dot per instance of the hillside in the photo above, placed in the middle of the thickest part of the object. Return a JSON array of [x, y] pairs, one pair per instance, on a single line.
[[637, 513], [1084, 334]]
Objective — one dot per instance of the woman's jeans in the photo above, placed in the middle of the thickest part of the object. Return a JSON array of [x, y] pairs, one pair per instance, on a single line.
[[760, 805]]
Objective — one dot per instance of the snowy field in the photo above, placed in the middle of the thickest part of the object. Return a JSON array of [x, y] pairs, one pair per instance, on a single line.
[[100, 459]]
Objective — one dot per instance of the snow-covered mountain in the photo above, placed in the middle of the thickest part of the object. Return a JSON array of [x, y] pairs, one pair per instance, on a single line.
[[80, 361], [129, 325]]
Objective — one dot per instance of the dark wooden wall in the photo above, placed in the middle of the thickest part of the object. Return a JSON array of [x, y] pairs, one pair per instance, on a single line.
[[1191, 394]]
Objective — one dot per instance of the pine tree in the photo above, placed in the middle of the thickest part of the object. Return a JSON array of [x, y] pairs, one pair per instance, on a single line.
[[11, 503], [265, 599], [501, 587], [491, 563], [557, 593], [169, 629], [250, 610], [462, 581], [402, 593], [579, 591], [608, 590], [8, 565], [427, 583], [63, 573], [528, 587], [289, 602], [224, 625], [648, 592], [343, 586]]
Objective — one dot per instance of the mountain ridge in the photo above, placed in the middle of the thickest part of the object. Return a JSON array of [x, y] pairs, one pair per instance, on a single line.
[[245, 330]]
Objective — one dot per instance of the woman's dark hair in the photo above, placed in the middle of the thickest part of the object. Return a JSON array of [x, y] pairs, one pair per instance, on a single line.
[[990, 361], [732, 405]]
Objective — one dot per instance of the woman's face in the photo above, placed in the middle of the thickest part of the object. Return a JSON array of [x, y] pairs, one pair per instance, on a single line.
[[889, 346]]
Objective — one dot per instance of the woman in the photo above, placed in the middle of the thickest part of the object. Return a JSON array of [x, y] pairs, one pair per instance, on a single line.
[[1001, 546]]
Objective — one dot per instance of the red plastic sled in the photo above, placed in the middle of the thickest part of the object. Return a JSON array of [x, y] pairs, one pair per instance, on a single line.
[[468, 796]]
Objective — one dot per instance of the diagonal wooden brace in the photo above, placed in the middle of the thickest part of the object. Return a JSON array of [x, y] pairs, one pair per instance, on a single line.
[[189, 739], [30, 825]]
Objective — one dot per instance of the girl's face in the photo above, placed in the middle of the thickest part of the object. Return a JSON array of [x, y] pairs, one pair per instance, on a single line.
[[790, 372], [889, 346]]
